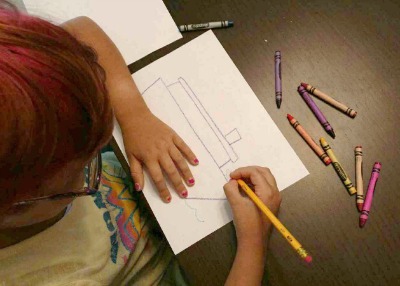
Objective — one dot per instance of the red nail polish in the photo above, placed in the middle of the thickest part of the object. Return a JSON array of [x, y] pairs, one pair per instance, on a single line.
[[169, 199], [191, 181], [137, 187], [184, 194], [196, 161]]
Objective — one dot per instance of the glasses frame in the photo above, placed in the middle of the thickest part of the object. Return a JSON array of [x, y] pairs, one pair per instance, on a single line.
[[86, 191]]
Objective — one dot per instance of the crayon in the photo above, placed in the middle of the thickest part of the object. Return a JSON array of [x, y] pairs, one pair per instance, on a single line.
[[275, 221], [359, 177], [324, 97], [303, 133], [338, 168], [370, 193], [317, 112], [278, 79], [203, 26]]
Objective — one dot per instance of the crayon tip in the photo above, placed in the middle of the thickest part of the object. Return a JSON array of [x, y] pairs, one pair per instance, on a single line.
[[327, 161], [290, 117], [304, 84], [332, 133], [278, 103], [360, 206], [300, 88], [230, 23], [362, 222], [308, 259], [359, 146]]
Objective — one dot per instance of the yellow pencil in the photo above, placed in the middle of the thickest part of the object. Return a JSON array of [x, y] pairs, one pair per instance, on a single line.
[[338, 167], [275, 221]]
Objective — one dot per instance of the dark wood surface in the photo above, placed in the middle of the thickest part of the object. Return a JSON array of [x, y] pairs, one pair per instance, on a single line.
[[350, 50]]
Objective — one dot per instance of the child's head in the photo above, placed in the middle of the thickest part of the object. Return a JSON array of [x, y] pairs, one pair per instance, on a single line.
[[54, 108]]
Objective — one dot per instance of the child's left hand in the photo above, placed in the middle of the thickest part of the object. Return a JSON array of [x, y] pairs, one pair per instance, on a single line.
[[151, 142]]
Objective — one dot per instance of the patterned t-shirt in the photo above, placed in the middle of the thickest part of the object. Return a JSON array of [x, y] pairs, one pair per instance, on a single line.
[[107, 239]]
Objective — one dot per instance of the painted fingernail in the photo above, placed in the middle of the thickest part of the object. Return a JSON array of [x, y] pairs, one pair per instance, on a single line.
[[168, 199], [191, 181], [196, 161], [184, 194], [137, 187]]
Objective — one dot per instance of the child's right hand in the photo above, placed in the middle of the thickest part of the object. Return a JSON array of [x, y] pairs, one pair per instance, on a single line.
[[251, 224]]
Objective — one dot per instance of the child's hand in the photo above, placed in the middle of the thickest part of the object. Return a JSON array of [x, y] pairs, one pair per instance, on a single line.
[[251, 224], [151, 142]]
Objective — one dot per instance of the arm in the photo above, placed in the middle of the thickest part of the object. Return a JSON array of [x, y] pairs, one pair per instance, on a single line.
[[147, 140], [248, 266], [252, 227], [120, 85]]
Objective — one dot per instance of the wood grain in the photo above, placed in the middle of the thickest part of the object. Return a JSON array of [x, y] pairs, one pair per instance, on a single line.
[[350, 50]]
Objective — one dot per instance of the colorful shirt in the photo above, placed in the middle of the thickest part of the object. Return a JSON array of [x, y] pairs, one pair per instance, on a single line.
[[107, 239]]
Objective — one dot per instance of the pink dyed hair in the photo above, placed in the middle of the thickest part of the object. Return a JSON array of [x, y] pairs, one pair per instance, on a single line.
[[54, 106]]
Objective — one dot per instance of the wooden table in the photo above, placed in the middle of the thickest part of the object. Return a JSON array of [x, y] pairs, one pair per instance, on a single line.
[[350, 50]]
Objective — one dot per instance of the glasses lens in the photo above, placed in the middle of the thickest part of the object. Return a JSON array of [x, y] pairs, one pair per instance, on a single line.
[[92, 173]]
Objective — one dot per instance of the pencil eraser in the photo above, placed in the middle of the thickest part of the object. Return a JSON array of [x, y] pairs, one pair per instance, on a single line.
[[308, 259]]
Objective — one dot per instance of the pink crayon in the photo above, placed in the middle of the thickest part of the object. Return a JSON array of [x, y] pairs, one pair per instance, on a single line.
[[370, 193]]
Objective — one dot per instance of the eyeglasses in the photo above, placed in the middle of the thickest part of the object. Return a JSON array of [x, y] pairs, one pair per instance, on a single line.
[[92, 182]]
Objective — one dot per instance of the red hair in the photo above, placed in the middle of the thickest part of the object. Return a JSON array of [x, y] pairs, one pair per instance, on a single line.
[[54, 106]]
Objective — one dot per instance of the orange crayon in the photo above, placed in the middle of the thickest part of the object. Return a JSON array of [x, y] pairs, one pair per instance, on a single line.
[[303, 133]]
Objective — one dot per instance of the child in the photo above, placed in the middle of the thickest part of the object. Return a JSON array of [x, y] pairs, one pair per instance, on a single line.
[[57, 103]]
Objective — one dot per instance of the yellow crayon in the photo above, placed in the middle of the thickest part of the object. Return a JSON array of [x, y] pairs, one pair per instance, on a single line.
[[338, 168], [275, 221]]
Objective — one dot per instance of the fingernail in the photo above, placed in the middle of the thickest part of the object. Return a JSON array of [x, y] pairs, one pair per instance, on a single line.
[[184, 194], [168, 199], [196, 161], [191, 181], [137, 187]]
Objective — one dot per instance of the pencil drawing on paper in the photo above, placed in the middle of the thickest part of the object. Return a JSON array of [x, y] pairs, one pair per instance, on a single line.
[[217, 144]]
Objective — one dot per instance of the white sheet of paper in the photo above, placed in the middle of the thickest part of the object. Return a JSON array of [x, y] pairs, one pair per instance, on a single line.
[[137, 27], [199, 92]]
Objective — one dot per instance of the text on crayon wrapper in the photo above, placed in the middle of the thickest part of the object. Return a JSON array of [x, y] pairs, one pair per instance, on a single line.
[[340, 171], [197, 26]]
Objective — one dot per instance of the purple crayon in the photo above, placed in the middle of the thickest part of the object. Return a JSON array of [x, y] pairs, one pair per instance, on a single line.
[[278, 79], [317, 112], [370, 193]]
